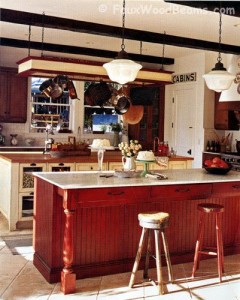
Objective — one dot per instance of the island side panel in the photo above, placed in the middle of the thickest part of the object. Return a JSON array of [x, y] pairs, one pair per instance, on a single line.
[[48, 223]]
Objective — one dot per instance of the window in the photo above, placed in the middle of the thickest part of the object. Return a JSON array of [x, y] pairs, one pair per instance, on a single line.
[[45, 110], [97, 119]]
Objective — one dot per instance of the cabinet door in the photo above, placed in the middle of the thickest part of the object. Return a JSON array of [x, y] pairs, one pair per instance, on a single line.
[[26, 201], [13, 98], [17, 99], [25, 174], [3, 96]]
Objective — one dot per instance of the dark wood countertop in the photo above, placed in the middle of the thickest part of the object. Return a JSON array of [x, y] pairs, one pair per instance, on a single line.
[[113, 156]]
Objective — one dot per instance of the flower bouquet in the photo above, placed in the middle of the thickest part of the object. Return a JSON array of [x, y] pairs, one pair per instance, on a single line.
[[131, 149]]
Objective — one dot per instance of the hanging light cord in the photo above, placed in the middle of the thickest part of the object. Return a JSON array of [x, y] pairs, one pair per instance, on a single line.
[[220, 35], [43, 14], [29, 39], [123, 25]]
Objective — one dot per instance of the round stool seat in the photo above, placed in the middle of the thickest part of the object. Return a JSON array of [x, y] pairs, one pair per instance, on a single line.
[[153, 220], [210, 207]]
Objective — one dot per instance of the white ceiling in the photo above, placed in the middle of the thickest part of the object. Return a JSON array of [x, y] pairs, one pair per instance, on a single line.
[[155, 16]]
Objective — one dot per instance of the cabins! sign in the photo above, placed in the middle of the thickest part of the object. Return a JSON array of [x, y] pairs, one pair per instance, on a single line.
[[179, 78]]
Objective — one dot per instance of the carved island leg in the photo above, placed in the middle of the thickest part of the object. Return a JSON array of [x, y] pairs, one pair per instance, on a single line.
[[68, 278]]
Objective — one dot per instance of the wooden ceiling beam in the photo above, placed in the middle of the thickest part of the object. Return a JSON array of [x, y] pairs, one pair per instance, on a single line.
[[19, 17], [82, 51]]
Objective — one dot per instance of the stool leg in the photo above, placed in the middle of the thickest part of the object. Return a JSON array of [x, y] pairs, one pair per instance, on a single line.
[[138, 257], [145, 274], [167, 256], [219, 246], [198, 244], [158, 262]]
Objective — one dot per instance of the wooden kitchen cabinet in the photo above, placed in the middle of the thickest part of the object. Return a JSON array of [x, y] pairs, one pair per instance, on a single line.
[[224, 116], [152, 122], [13, 97]]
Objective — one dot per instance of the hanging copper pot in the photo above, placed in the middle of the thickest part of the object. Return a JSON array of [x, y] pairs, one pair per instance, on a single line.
[[134, 114], [46, 87], [51, 89]]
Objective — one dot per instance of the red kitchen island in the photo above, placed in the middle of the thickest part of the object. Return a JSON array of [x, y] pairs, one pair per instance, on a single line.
[[86, 225]]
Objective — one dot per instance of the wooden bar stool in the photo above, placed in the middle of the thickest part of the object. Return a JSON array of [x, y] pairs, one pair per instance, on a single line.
[[216, 210], [156, 222]]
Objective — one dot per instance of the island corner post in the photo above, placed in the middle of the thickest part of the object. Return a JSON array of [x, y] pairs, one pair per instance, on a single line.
[[93, 231]]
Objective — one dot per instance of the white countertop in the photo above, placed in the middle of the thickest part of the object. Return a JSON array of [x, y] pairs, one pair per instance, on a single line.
[[92, 179]]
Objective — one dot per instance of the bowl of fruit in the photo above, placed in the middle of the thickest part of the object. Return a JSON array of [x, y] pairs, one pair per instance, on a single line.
[[216, 166]]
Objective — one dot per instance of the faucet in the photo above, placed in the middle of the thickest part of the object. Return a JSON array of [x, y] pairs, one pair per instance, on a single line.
[[48, 141]]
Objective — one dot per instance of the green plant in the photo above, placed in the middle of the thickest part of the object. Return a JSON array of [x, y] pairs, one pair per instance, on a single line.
[[116, 127]]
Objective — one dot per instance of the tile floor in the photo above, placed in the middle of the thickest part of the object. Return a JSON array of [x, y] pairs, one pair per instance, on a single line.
[[19, 279]]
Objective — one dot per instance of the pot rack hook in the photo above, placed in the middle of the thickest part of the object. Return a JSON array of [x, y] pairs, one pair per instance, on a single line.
[[163, 51], [43, 27]]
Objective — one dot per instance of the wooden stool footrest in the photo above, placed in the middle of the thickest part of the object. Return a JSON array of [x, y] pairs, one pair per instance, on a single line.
[[207, 252]]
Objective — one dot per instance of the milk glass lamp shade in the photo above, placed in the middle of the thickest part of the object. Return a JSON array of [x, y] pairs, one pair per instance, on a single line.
[[219, 79], [122, 70]]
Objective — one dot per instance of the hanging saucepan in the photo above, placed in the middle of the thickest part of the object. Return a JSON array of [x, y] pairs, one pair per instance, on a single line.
[[72, 90], [122, 105], [98, 93], [46, 87]]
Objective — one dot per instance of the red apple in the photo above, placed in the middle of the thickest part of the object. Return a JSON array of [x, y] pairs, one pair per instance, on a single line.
[[207, 163], [214, 165], [223, 164], [216, 160]]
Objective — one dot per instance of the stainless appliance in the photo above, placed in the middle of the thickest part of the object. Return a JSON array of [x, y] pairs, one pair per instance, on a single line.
[[233, 158]]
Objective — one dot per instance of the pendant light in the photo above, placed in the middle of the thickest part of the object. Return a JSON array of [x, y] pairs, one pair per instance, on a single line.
[[122, 69], [219, 79]]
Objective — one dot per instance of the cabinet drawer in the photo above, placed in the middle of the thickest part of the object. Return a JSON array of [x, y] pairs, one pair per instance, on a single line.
[[89, 166], [226, 188], [178, 164], [61, 167], [113, 196], [182, 192]]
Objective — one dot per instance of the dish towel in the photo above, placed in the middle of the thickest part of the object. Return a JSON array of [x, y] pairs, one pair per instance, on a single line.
[[162, 161]]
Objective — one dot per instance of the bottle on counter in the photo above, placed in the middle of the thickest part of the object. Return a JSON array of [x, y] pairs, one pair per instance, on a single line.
[[212, 146], [208, 146]]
